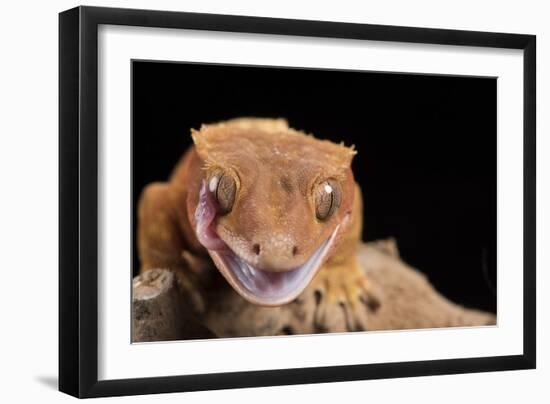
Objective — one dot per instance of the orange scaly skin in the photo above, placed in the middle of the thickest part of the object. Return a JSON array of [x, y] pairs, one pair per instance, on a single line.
[[272, 223]]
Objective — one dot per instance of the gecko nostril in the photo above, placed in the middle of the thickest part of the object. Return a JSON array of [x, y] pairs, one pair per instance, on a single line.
[[294, 250], [256, 249]]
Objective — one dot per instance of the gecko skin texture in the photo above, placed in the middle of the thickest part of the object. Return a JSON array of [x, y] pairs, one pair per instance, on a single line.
[[272, 209]]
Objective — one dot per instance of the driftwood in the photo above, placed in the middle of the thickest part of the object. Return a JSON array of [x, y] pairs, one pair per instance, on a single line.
[[407, 299], [159, 312], [402, 298]]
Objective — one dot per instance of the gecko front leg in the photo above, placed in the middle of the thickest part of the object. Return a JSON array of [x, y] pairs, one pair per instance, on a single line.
[[161, 243], [342, 294]]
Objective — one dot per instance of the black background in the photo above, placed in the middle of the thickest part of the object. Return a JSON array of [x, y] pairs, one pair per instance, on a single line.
[[426, 146]]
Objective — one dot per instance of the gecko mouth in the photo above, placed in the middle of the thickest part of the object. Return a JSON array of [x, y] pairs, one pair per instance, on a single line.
[[261, 287], [265, 287]]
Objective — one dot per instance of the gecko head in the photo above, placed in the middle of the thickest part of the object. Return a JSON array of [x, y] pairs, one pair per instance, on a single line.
[[272, 206]]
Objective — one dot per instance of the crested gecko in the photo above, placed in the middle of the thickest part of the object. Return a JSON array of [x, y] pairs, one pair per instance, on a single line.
[[276, 212]]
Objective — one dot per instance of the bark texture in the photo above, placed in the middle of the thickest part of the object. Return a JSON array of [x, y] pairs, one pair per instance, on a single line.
[[159, 312]]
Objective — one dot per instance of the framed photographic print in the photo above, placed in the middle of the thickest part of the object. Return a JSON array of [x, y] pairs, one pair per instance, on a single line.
[[251, 201]]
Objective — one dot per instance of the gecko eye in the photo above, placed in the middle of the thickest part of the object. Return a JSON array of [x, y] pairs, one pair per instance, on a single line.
[[224, 187], [328, 196]]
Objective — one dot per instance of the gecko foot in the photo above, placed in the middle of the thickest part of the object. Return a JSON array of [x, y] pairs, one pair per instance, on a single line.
[[343, 299]]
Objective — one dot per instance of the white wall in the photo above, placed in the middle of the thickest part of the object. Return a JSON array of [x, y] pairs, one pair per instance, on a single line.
[[28, 214]]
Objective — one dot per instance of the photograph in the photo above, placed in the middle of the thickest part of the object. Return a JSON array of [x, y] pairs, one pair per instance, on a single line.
[[271, 201], [250, 201]]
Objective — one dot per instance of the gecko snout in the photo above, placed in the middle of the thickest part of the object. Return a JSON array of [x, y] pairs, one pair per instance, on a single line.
[[277, 253]]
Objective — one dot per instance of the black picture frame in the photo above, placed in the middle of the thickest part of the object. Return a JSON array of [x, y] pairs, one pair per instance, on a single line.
[[78, 203]]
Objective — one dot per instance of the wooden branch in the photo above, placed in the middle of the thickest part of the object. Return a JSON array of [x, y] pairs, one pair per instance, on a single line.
[[159, 312], [400, 298], [406, 298]]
